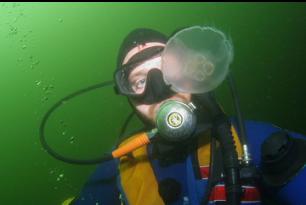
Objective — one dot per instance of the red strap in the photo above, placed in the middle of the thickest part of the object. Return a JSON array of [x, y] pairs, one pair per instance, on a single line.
[[250, 194], [204, 171]]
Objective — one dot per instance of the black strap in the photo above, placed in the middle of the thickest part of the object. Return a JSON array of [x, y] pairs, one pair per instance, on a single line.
[[215, 169]]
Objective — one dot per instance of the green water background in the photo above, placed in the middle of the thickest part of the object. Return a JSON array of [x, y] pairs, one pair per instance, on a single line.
[[48, 50]]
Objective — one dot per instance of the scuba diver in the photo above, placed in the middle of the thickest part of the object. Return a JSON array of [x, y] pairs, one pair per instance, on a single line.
[[190, 151]]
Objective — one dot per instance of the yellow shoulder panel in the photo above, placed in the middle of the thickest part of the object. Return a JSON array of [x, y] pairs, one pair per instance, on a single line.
[[138, 180], [67, 201]]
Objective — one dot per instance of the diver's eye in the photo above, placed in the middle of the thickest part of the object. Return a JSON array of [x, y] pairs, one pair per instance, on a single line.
[[138, 86]]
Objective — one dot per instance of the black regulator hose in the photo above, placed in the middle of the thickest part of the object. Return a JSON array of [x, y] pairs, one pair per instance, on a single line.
[[230, 160], [222, 126], [45, 118]]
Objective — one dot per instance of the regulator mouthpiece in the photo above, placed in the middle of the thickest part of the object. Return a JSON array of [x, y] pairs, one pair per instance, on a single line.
[[176, 121]]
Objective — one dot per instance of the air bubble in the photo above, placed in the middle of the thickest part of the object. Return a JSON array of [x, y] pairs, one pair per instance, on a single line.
[[71, 139], [38, 82]]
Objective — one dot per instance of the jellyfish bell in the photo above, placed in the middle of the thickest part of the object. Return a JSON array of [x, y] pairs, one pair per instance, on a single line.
[[196, 59]]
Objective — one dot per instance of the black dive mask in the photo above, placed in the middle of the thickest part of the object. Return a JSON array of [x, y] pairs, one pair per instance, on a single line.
[[155, 89], [150, 87]]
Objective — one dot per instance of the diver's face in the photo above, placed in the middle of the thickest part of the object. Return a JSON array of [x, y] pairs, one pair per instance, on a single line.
[[137, 79]]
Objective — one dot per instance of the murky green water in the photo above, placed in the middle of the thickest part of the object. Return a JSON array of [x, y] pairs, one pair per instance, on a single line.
[[49, 50]]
